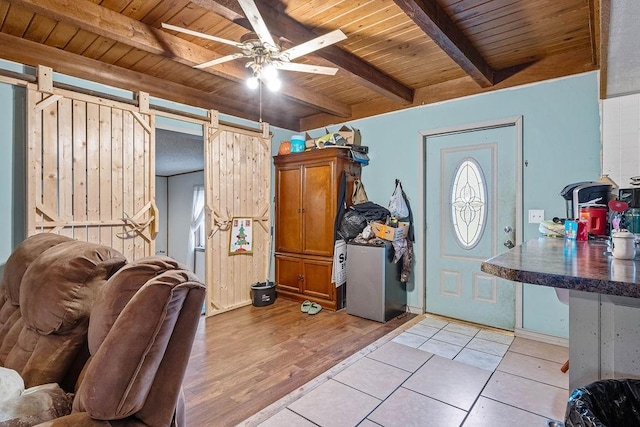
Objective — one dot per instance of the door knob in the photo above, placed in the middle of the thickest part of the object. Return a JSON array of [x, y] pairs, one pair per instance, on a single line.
[[508, 229], [509, 244]]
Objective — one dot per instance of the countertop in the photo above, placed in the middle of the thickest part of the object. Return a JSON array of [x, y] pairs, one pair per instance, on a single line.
[[569, 264]]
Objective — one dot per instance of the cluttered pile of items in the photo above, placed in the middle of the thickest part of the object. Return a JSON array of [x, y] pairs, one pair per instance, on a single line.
[[365, 222], [345, 138], [594, 213]]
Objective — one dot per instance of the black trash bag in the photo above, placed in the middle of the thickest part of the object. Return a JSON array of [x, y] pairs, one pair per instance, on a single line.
[[372, 211], [605, 403], [353, 222]]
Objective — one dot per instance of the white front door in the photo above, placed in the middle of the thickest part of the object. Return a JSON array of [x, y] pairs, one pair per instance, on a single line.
[[471, 206]]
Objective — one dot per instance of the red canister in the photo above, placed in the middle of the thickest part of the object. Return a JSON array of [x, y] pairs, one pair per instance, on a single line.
[[596, 218]]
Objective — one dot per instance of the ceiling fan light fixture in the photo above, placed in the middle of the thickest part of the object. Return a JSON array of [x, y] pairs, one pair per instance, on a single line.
[[269, 72], [274, 84], [253, 82]]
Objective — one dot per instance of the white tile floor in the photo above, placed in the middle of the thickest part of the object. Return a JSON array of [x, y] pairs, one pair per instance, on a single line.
[[433, 372]]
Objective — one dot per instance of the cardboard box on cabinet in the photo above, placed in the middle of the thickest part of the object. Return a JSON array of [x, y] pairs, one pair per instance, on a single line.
[[390, 233], [351, 135], [309, 141]]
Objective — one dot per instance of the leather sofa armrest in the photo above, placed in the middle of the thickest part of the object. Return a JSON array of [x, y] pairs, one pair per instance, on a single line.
[[35, 405]]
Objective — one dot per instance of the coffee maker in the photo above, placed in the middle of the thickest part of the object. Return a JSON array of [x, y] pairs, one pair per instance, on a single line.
[[584, 193]]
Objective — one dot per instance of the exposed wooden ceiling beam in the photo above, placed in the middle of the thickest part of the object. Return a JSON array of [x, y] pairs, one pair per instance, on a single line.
[[102, 21], [599, 21], [547, 68], [435, 22], [33, 54], [282, 25]]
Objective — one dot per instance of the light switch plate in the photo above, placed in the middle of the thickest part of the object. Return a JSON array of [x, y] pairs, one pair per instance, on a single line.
[[536, 216]]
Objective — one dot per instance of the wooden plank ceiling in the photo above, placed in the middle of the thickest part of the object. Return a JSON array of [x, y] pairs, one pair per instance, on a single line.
[[398, 53]]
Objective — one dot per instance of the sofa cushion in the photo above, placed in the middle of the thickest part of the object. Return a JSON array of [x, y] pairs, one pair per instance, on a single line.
[[60, 286], [119, 289]]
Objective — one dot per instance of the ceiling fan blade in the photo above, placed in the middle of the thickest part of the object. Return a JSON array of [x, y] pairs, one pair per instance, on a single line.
[[253, 15], [307, 68], [220, 60], [201, 35], [314, 44]]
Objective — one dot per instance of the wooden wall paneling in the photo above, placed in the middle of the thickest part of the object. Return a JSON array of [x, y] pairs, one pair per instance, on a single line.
[[228, 183], [117, 173], [49, 148], [105, 173], [150, 176], [34, 159], [236, 172], [128, 174], [215, 233], [93, 170], [65, 163], [237, 181], [91, 164], [80, 167], [225, 215], [138, 187]]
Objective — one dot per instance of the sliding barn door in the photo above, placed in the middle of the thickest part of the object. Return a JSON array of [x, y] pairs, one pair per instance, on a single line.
[[238, 185], [91, 170]]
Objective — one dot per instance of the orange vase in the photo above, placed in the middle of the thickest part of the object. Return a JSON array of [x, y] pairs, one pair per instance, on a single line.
[[285, 148]]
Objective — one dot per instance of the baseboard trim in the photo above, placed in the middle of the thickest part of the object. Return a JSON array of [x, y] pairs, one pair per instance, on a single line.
[[415, 310], [539, 336]]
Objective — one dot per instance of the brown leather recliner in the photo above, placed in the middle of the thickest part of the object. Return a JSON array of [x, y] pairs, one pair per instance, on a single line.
[[141, 332], [55, 281], [14, 270]]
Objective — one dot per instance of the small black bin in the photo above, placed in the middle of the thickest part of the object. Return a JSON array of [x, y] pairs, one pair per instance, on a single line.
[[605, 403], [264, 293]]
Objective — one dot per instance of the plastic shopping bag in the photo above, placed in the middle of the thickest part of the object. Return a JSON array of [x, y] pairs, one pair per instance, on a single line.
[[397, 205]]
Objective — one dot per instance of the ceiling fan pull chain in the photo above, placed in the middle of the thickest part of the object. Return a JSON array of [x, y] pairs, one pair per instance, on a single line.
[[260, 89]]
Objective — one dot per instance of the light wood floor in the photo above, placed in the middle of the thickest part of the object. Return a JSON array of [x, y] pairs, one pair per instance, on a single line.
[[246, 359]]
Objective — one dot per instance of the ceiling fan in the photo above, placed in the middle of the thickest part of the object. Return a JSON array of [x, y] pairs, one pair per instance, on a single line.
[[264, 54]]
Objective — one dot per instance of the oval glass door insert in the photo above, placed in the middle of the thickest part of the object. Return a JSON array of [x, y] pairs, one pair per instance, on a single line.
[[468, 203]]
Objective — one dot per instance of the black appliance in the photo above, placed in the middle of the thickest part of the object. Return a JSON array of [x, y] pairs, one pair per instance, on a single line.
[[631, 196], [584, 192]]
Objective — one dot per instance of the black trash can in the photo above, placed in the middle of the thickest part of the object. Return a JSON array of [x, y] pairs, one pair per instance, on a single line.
[[605, 403], [263, 293]]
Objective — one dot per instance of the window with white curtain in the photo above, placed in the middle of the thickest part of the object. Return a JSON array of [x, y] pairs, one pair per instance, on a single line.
[[197, 217]]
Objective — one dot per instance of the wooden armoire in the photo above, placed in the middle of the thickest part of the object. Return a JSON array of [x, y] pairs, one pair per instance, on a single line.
[[306, 204]]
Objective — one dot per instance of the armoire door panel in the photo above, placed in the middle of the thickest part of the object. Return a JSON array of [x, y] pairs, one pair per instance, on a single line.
[[288, 273], [317, 279], [289, 211], [318, 202]]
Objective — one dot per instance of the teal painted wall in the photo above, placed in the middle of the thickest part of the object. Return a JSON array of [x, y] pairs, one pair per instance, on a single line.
[[12, 137], [561, 145]]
